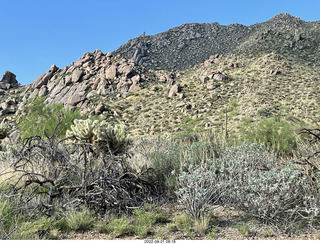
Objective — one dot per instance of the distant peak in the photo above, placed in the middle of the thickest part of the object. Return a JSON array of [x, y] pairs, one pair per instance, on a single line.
[[286, 17]]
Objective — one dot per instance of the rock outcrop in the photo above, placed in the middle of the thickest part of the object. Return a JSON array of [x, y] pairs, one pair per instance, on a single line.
[[8, 81], [95, 73]]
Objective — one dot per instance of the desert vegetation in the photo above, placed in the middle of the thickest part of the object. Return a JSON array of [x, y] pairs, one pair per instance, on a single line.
[[89, 176], [226, 146]]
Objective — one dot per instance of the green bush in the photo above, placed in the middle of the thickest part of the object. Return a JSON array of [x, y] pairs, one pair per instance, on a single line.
[[41, 228], [274, 133], [8, 217], [178, 156], [41, 119], [186, 223], [80, 221], [144, 222], [120, 227]]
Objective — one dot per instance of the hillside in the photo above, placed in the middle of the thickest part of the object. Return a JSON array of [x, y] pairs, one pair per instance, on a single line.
[[264, 70]]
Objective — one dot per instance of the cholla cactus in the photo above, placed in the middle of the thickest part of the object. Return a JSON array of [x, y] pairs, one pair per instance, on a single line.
[[102, 133], [4, 130], [83, 130]]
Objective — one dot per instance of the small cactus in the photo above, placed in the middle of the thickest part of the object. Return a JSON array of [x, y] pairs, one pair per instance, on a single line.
[[4, 130], [83, 130], [102, 134]]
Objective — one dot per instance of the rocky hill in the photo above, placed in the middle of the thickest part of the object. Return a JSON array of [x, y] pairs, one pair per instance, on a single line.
[[190, 44], [267, 69]]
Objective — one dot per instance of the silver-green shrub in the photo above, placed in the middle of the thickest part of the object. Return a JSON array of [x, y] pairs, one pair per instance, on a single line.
[[257, 184], [106, 136], [199, 188]]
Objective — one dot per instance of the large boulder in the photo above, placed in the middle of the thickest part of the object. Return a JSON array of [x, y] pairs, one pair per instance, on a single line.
[[8, 80], [111, 72], [76, 75]]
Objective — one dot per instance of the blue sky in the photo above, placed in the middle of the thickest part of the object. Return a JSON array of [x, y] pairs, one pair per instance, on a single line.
[[35, 34]]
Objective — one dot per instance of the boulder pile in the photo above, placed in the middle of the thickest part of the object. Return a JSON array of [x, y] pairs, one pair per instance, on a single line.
[[94, 74]]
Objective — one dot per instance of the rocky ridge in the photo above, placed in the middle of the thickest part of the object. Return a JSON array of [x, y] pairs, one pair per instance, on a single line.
[[191, 44], [92, 75]]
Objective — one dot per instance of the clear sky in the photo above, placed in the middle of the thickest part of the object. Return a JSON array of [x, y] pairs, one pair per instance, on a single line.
[[35, 34]]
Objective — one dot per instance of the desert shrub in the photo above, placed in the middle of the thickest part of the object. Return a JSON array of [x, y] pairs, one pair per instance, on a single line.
[[4, 130], [164, 163], [8, 152], [107, 137], [274, 133], [120, 227], [178, 156], [186, 223], [144, 222], [273, 192], [79, 221], [199, 188], [41, 228], [41, 119], [8, 217], [50, 173]]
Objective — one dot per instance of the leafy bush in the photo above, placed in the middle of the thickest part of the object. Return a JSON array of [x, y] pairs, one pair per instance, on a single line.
[[41, 119], [273, 133]]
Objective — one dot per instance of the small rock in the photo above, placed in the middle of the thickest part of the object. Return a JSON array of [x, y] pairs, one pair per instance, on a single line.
[[179, 105], [154, 88], [188, 106], [220, 76], [174, 90], [134, 87], [54, 68], [4, 106], [100, 108], [92, 93], [136, 79]]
